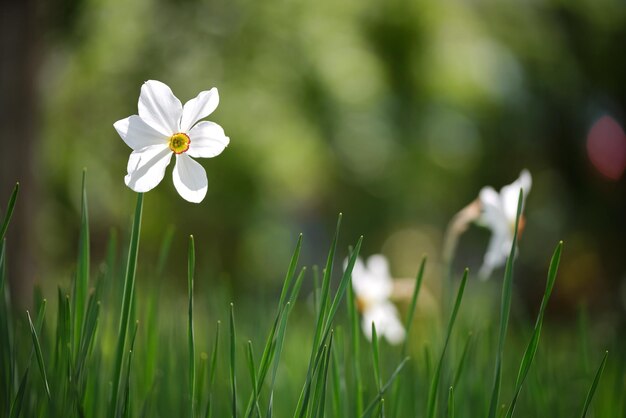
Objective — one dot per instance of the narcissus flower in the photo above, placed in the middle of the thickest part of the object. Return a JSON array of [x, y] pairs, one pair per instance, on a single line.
[[164, 127], [498, 212], [373, 285]]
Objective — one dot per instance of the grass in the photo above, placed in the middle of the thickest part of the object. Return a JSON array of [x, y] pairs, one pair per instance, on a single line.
[[112, 348]]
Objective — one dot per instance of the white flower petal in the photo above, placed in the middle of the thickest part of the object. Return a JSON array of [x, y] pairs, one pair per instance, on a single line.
[[207, 140], [497, 252], [394, 331], [492, 216], [510, 194], [146, 167], [359, 275], [199, 108], [378, 266], [190, 179], [372, 285], [489, 197], [385, 318], [159, 108], [137, 134]]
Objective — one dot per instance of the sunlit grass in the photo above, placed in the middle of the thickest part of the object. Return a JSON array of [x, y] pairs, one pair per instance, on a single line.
[[109, 348]]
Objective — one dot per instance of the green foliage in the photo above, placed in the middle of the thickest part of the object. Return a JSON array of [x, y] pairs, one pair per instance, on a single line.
[[315, 363]]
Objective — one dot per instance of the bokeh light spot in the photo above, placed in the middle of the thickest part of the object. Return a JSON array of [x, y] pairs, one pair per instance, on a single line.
[[606, 147]]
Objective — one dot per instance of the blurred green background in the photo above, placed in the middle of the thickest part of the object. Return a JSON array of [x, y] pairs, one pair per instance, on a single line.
[[395, 113]]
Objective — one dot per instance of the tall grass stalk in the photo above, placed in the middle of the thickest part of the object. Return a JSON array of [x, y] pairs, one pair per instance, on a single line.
[[594, 386], [533, 344], [81, 281], [233, 363], [191, 263], [127, 299], [9, 212], [434, 385], [505, 311]]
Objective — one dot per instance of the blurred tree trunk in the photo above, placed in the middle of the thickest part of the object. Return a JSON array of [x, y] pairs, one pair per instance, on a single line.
[[19, 64]]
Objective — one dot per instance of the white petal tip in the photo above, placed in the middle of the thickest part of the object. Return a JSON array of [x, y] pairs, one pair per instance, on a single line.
[[198, 197]]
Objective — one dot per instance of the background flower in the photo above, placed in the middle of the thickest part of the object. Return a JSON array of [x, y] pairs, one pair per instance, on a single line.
[[373, 285], [498, 213]]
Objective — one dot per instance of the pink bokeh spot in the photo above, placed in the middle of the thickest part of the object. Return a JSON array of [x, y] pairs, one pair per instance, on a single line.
[[606, 147]]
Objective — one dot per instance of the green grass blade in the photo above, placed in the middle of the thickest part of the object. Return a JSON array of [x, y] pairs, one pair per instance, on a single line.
[[201, 379], [355, 334], [462, 361], [319, 324], [375, 358], [253, 381], [338, 378], [81, 282], [127, 299], [505, 310], [594, 385], [60, 337], [18, 401], [312, 407], [319, 399], [126, 410], [212, 373], [233, 369], [434, 386], [293, 264], [269, 350], [376, 362], [325, 293], [370, 408], [411, 312], [533, 344], [88, 334], [191, 263], [39, 355], [6, 335], [302, 408], [341, 289], [9, 212], [316, 288], [408, 322], [451, 403], [280, 336], [322, 331], [322, 402], [63, 355]]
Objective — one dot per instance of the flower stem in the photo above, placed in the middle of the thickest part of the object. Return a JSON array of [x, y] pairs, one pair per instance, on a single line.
[[127, 298]]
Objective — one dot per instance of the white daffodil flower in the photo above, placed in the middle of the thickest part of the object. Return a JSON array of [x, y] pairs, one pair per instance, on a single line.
[[498, 212], [373, 285], [164, 127]]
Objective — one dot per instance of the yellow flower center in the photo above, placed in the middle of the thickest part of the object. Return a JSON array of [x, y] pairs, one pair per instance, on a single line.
[[179, 142]]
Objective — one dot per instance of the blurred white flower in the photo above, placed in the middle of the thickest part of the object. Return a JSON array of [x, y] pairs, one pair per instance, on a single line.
[[373, 285], [165, 127], [498, 212]]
